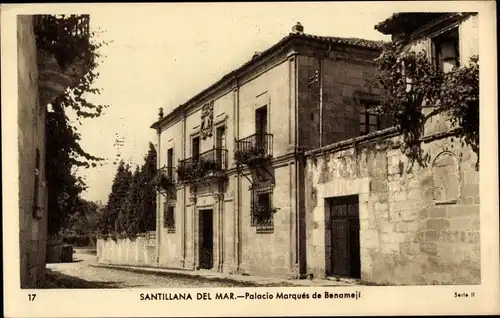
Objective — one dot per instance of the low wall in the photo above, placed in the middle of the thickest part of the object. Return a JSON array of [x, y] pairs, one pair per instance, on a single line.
[[124, 251], [417, 227]]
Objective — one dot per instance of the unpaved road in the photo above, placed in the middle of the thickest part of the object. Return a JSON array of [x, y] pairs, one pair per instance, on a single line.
[[80, 274]]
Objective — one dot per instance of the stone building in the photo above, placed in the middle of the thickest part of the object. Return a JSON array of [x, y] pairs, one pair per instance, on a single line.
[[369, 217], [40, 81], [232, 193]]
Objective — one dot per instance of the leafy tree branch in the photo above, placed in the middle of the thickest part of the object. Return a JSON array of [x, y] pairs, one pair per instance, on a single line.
[[415, 90]]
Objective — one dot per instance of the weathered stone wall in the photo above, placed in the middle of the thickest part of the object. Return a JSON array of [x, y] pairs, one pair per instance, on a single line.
[[140, 251], [343, 74], [31, 124], [418, 226]]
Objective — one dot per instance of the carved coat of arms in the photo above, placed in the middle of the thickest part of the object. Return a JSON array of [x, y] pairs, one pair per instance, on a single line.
[[207, 118]]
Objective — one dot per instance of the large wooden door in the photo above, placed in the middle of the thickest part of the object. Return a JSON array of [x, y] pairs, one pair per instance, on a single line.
[[206, 239], [342, 237]]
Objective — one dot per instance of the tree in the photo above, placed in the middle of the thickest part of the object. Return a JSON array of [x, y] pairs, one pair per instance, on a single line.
[[84, 220], [147, 193], [128, 218], [131, 207], [119, 190], [63, 151], [415, 90]]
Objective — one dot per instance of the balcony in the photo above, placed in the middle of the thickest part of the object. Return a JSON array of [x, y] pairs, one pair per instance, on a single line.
[[253, 149], [165, 181], [207, 165]]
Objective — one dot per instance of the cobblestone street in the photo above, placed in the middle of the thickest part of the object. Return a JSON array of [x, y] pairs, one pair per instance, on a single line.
[[81, 274]]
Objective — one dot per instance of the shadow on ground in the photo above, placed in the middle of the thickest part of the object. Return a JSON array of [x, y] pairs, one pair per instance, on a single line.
[[54, 280]]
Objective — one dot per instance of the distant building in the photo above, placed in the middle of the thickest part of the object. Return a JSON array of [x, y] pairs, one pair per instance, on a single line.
[[40, 81], [234, 154]]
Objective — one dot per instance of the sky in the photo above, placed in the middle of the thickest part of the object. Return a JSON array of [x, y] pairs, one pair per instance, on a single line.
[[164, 54]]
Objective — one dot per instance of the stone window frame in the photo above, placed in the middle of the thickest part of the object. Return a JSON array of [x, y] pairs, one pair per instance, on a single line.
[[195, 134], [263, 100], [434, 39], [170, 146], [361, 100], [266, 226], [218, 123], [458, 181]]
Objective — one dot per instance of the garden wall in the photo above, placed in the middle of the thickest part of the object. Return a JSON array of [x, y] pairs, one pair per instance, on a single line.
[[126, 251], [417, 227]]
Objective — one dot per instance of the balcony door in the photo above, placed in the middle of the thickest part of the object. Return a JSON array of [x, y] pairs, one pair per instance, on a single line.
[[220, 144], [195, 148], [260, 126], [170, 159]]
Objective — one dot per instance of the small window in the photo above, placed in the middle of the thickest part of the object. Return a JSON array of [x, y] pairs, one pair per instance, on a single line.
[[369, 121], [262, 210], [446, 54], [169, 218]]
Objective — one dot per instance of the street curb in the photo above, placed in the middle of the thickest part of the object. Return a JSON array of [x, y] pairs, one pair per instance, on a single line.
[[190, 275]]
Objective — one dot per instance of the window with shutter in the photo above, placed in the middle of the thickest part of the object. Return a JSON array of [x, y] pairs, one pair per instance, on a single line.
[[446, 50]]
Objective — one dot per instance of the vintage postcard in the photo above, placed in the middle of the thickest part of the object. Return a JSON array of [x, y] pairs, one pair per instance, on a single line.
[[250, 159]]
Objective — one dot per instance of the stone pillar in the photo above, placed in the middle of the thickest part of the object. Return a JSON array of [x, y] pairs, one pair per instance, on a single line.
[[158, 201], [219, 251], [195, 234], [237, 229], [221, 236]]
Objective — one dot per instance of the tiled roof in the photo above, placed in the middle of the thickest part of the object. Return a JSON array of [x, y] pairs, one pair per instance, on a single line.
[[406, 21], [355, 42], [346, 41]]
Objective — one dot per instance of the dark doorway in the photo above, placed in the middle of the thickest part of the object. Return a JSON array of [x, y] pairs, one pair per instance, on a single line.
[[342, 237], [206, 239]]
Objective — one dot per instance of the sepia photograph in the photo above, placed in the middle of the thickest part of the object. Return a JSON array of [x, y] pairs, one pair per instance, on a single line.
[[302, 149]]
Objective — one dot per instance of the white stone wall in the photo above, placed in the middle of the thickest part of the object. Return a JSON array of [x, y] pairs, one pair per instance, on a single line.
[[124, 251]]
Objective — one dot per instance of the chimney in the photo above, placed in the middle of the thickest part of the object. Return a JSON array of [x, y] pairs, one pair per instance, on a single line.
[[298, 28]]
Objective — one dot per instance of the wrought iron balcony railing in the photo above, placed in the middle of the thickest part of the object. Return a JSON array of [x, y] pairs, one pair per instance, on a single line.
[[253, 148], [206, 164], [165, 180], [167, 176]]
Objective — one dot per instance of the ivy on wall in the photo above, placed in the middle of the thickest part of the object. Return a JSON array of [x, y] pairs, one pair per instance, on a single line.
[[415, 90], [69, 40]]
